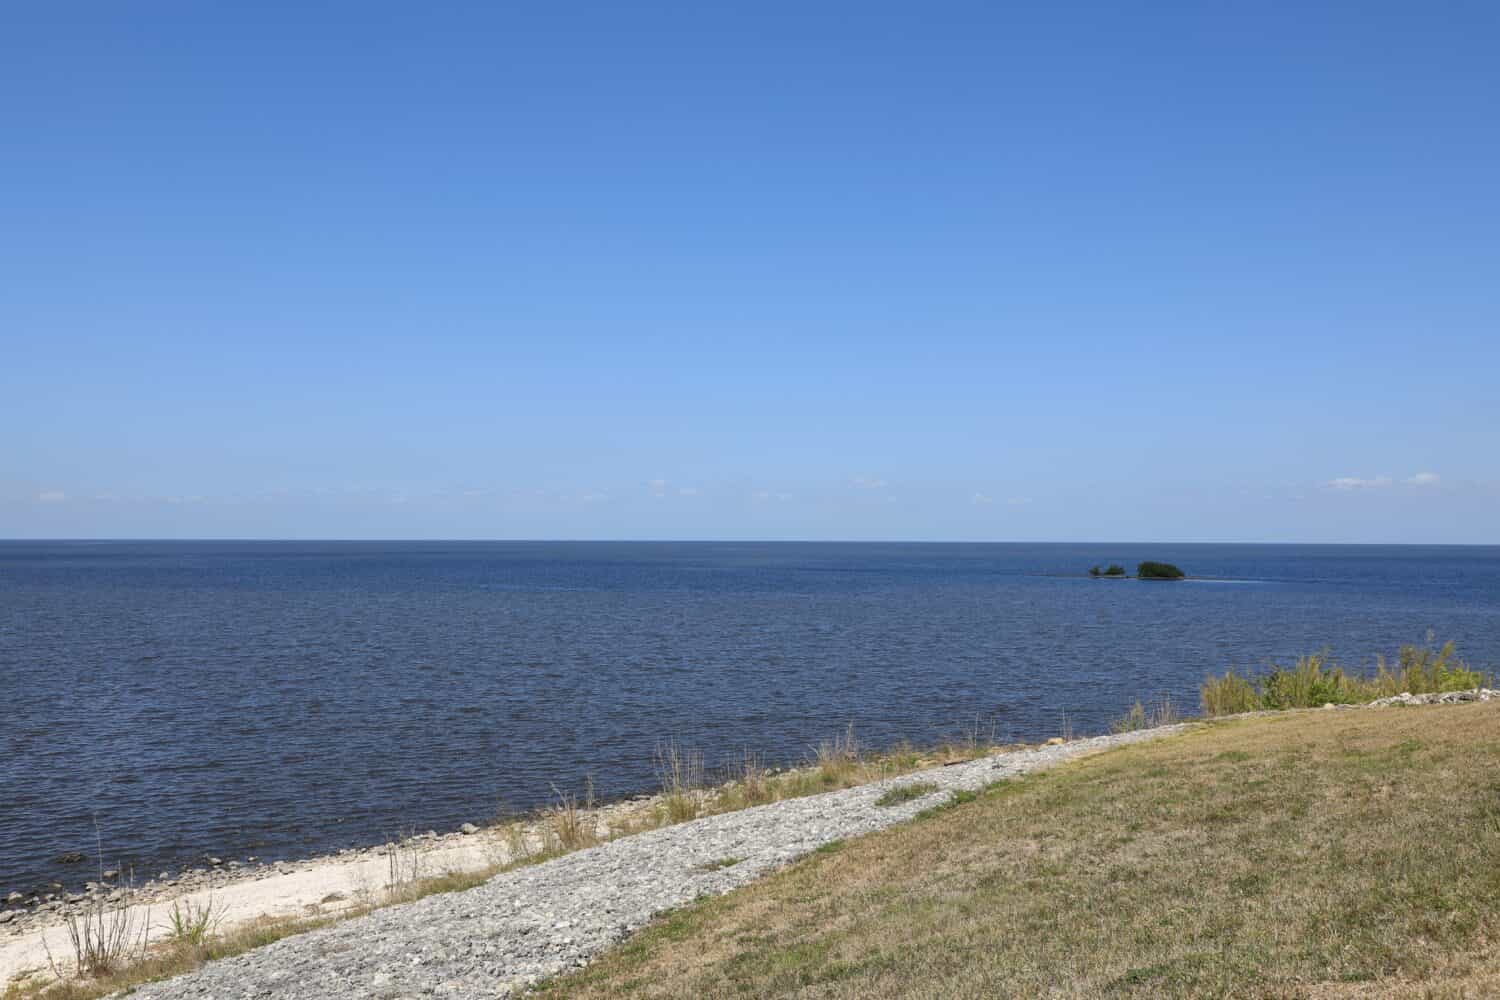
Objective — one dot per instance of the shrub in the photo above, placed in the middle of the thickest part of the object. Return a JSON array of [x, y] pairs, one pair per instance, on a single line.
[[105, 938], [1115, 569], [1423, 669], [1313, 682], [1316, 681], [1158, 571]]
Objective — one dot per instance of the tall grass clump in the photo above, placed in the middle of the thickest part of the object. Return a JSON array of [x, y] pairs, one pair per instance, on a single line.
[[1420, 669], [1314, 681], [104, 939], [750, 783], [106, 936], [572, 819], [1161, 713], [680, 772], [837, 758], [1228, 695], [190, 924], [408, 871], [1317, 680]]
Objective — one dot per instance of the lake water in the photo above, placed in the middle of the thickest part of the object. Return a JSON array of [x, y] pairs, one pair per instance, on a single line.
[[281, 699]]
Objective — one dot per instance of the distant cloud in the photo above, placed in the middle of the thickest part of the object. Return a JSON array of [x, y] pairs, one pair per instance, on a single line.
[[1018, 501], [1356, 483], [766, 496], [981, 499], [868, 483], [51, 496], [658, 487], [688, 491], [1424, 479]]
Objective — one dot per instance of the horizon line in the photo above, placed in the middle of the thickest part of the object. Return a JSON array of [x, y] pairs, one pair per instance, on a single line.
[[716, 541]]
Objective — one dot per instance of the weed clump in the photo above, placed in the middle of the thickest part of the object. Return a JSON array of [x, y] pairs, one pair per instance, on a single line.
[[1162, 713], [1317, 680], [905, 793], [680, 772]]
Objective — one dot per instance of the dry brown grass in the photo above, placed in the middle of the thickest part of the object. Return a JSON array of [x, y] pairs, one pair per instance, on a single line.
[[1315, 854], [573, 822], [680, 771]]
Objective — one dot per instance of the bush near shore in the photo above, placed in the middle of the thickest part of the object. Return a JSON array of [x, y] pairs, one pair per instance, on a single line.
[[1317, 680]]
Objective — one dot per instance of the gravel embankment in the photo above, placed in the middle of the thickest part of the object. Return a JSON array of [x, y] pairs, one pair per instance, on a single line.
[[525, 925]]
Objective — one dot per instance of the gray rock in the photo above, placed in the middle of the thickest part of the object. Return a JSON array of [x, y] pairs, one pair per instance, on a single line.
[[6, 916], [14, 898], [468, 828]]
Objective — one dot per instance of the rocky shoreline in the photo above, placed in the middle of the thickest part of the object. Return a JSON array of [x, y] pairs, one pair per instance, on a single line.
[[534, 922], [23, 912]]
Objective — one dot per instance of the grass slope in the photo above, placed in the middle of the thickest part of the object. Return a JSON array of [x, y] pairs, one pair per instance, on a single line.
[[1317, 854]]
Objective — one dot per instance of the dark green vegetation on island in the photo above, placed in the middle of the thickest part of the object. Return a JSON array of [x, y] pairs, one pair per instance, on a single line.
[[1144, 571], [1323, 855], [1318, 680]]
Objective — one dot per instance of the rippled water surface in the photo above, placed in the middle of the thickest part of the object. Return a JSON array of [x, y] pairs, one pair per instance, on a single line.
[[278, 699]]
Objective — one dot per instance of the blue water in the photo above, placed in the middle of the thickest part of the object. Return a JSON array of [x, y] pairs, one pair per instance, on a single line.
[[280, 699]]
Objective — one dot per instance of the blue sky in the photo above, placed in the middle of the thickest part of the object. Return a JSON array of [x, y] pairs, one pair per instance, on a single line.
[[940, 271]]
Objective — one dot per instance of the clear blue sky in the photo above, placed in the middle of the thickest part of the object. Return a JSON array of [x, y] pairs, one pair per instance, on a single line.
[[1175, 271]]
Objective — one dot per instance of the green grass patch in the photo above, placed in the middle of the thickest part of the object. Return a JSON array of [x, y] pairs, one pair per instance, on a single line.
[[905, 793]]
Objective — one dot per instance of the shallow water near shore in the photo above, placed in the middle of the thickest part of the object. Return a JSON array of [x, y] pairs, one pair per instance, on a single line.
[[283, 699]]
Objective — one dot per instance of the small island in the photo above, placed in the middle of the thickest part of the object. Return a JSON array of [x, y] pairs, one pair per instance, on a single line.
[[1147, 570]]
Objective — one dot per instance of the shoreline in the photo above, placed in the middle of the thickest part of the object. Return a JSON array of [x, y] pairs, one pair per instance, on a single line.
[[325, 885], [356, 881], [526, 925]]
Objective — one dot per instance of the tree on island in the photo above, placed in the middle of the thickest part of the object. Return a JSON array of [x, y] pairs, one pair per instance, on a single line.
[[1158, 571], [1115, 569]]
